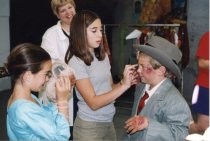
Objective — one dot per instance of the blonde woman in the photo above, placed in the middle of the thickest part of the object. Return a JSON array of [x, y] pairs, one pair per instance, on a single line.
[[55, 40]]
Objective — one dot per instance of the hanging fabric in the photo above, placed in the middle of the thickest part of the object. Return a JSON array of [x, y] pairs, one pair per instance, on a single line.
[[153, 10], [184, 45]]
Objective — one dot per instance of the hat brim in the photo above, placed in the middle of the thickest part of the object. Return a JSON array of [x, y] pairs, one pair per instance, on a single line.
[[162, 58]]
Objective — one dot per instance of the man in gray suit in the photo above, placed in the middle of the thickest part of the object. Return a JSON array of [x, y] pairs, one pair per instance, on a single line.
[[164, 115]]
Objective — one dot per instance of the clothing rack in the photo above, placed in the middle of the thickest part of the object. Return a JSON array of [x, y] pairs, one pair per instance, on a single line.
[[144, 25]]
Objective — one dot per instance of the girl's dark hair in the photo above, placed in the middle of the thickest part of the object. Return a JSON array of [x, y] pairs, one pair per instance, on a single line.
[[78, 38], [25, 57]]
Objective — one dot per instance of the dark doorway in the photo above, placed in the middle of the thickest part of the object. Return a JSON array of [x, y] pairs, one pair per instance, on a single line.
[[29, 19]]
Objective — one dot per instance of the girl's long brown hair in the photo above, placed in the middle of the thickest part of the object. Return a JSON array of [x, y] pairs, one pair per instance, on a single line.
[[78, 38]]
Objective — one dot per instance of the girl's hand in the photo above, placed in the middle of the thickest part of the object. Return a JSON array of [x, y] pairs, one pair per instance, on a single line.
[[135, 75], [129, 75], [63, 87], [72, 79]]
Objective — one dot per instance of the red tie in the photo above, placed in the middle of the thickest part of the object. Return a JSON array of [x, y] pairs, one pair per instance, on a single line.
[[142, 102]]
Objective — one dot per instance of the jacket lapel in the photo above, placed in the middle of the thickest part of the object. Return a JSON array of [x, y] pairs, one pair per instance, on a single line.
[[159, 95]]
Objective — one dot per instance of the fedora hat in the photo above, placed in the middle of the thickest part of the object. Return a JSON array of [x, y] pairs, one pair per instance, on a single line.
[[164, 52]]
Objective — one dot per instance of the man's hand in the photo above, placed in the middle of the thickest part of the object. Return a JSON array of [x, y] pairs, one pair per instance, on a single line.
[[136, 123]]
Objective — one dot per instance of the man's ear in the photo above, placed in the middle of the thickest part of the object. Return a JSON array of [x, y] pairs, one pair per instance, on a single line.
[[162, 70]]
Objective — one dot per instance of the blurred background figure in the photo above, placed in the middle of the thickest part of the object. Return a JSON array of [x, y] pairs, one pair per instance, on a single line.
[[56, 39]]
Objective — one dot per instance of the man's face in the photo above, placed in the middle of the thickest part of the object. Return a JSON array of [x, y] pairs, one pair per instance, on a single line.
[[145, 69]]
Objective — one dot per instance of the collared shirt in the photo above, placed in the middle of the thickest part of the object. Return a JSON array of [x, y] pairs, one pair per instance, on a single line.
[[55, 42], [152, 91]]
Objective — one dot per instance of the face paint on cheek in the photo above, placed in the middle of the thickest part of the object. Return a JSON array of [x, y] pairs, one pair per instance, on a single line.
[[148, 70]]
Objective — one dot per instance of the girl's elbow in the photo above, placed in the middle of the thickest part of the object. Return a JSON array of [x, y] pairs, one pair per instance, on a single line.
[[94, 107]]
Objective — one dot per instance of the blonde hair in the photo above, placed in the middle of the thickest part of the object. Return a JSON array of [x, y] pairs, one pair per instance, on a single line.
[[55, 4]]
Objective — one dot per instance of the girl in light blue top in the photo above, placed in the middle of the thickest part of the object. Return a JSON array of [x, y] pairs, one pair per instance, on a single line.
[[27, 118]]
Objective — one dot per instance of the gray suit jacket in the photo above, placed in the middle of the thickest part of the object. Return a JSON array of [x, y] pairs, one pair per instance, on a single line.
[[168, 113]]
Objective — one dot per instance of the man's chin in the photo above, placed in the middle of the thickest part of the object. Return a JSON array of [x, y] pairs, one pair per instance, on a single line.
[[143, 81]]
